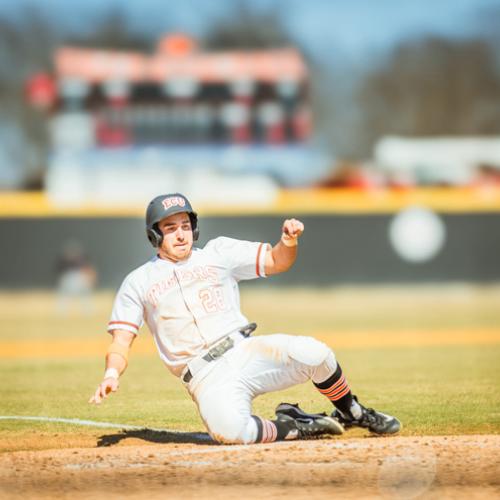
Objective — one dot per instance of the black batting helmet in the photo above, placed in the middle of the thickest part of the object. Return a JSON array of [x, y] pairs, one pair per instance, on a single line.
[[163, 206]]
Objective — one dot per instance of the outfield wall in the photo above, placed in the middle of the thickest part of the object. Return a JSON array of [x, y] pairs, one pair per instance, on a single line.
[[335, 249]]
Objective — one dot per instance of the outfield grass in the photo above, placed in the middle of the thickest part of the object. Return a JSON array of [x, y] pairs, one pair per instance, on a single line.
[[433, 388]]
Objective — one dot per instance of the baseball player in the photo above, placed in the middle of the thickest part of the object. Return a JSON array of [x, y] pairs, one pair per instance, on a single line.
[[189, 298]]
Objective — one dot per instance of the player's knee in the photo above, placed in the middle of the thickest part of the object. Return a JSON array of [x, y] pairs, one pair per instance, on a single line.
[[308, 351], [325, 369], [231, 429]]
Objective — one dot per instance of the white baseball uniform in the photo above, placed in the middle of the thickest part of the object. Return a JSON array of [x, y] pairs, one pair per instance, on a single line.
[[191, 306]]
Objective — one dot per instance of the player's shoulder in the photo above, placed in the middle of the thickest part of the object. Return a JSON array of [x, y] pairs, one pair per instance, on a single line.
[[221, 243], [137, 275]]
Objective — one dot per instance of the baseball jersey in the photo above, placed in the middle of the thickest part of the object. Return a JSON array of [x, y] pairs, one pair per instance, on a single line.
[[191, 304]]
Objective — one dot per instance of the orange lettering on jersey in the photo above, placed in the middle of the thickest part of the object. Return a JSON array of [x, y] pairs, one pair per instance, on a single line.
[[211, 273], [199, 273]]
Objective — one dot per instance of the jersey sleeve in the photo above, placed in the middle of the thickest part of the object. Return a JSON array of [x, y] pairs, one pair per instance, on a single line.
[[245, 259], [128, 309]]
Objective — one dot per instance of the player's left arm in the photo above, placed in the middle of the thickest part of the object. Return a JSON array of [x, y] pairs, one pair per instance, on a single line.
[[281, 256]]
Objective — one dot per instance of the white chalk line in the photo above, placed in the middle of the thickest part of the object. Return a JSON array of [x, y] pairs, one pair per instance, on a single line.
[[195, 435], [108, 425]]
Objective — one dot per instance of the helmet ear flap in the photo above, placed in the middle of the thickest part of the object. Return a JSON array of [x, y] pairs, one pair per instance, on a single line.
[[155, 237], [194, 224]]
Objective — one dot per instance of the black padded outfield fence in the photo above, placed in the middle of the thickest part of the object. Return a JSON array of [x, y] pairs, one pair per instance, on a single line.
[[335, 249]]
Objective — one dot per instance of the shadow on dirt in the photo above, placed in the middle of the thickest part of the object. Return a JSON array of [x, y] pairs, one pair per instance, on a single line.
[[156, 437]]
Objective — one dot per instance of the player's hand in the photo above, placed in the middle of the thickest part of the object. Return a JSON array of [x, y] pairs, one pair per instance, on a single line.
[[292, 229], [107, 386]]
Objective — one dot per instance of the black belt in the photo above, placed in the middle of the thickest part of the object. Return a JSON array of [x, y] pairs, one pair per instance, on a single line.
[[220, 348]]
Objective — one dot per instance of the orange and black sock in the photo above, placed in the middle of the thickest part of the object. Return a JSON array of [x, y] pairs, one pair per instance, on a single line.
[[337, 390]]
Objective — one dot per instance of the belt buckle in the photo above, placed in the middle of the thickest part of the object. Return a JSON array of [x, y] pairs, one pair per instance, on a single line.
[[218, 350]]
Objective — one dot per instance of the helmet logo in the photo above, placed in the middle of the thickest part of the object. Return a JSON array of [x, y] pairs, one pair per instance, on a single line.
[[173, 201]]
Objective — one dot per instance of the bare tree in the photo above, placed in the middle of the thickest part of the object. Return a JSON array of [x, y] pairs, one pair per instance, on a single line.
[[27, 47], [432, 87], [113, 32], [245, 27]]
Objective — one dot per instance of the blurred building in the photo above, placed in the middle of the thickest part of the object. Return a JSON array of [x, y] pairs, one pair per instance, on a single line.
[[233, 126], [442, 161]]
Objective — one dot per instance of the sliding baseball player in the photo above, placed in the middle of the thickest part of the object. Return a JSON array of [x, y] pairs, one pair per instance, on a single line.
[[189, 299]]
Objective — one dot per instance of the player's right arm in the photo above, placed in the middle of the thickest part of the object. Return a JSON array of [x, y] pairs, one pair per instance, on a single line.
[[126, 320], [116, 364]]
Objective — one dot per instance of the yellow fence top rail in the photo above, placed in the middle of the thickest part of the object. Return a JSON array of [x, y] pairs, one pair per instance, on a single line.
[[288, 202]]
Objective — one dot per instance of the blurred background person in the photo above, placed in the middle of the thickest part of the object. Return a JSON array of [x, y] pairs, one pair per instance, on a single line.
[[76, 279]]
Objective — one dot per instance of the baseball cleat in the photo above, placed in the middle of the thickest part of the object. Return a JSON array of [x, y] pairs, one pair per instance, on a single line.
[[374, 421], [308, 425]]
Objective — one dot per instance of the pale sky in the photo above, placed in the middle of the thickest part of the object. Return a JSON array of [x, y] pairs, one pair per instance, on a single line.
[[352, 28]]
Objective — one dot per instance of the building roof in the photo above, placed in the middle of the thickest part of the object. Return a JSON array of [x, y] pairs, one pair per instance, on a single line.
[[96, 66]]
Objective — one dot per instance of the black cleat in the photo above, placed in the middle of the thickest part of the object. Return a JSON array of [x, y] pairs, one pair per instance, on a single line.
[[309, 425], [374, 421]]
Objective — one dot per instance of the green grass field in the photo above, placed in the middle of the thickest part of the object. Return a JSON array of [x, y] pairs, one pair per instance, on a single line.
[[432, 357]]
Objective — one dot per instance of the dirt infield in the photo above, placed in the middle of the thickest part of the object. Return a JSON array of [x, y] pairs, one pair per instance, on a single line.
[[397, 467]]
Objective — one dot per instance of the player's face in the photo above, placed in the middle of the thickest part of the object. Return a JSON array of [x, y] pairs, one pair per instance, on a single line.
[[177, 237]]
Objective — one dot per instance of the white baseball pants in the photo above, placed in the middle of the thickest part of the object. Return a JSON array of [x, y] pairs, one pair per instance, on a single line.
[[256, 365]]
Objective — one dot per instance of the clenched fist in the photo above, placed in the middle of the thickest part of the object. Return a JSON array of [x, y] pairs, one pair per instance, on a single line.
[[292, 229]]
